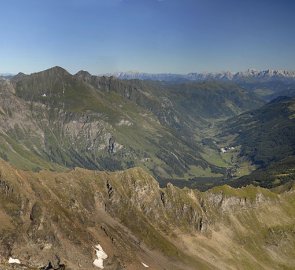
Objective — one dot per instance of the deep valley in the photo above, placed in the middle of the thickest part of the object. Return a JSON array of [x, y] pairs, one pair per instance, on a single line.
[[176, 174]]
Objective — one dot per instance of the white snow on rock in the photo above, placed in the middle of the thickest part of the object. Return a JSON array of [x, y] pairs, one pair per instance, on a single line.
[[125, 123], [145, 265], [12, 260], [223, 150], [101, 255], [226, 149]]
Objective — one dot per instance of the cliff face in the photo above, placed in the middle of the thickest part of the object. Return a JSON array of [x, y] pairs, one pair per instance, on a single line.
[[61, 217]]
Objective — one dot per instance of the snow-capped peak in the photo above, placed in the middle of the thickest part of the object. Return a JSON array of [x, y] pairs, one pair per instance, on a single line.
[[268, 74]]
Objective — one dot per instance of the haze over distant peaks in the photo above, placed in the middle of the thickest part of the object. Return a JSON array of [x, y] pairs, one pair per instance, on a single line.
[[268, 74], [6, 75], [249, 74]]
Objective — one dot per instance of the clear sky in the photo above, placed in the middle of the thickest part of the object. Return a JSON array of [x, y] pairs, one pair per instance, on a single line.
[[155, 36]]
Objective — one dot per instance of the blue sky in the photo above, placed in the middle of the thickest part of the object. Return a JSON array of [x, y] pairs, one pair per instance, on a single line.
[[177, 36]]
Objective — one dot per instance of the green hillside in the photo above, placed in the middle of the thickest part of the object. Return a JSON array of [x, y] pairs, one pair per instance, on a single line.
[[74, 120], [266, 134], [266, 139]]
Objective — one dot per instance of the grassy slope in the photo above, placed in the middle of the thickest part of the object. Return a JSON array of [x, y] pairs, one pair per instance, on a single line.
[[168, 125], [266, 134], [245, 228], [276, 174], [266, 139], [164, 131]]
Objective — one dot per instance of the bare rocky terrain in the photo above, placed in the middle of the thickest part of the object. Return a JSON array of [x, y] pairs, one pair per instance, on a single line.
[[61, 217]]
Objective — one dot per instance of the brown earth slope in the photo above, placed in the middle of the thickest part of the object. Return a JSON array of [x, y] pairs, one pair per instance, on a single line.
[[60, 217]]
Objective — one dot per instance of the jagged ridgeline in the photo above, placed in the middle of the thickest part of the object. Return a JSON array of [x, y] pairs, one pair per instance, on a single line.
[[61, 217], [53, 120]]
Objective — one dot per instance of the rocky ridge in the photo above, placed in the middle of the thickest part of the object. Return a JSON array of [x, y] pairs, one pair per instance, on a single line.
[[61, 217]]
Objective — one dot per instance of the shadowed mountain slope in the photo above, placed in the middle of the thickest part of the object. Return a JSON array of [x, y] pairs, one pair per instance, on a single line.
[[266, 138], [60, 120], [270, 129]]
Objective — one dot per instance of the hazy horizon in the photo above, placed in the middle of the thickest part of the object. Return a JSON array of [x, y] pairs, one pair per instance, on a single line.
[[152, 36], [141, 72]]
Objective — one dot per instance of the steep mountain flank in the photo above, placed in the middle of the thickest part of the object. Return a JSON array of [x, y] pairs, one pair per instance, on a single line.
[[60, 217], [273, 175], [212, 99], [271, 129], [266, 138], [77, 131], [62, 120]]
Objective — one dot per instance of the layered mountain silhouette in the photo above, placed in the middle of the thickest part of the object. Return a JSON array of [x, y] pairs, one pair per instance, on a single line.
[[95, 170]]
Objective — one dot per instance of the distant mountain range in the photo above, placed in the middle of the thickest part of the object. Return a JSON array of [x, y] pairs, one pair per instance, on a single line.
[[249, 75], [6, 75], [241, 76]]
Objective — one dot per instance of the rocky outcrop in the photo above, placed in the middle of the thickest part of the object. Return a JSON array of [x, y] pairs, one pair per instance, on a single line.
[[49, 215]]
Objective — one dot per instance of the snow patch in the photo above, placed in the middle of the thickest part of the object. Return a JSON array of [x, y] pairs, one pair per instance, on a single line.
[[226, 149], [124, 123], [12, 260], [145, 265], [101, 255]]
